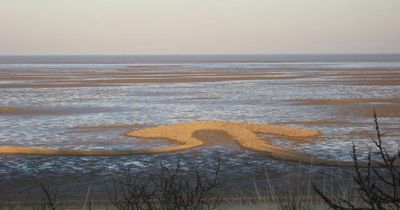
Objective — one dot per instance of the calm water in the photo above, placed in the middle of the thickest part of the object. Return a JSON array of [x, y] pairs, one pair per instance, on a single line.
[[99, 62], [263, 101]]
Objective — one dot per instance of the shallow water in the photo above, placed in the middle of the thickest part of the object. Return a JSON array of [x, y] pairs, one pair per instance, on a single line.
[[252, 100]]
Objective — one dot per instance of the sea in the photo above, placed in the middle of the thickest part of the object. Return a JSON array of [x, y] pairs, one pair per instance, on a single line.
[[149, 104]]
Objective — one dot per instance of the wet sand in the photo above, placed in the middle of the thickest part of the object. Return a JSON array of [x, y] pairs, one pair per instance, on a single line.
[[323, 122], [386, 107], [364, 107], [49, 79], [243, 134], [382, 110], [364, 77], [347, 101], [18, 110], [96, 128], [61, 79]]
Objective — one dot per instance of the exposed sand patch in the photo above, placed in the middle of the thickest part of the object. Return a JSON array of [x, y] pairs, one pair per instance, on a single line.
[[96, 128], [121, 82], [324, 122], [363, 133], [134, 75], [376, 77], [375, 82], [244, 134], [62, 79], [9, 110], [358, 82], [382, 110], [345, 101], [6, 109], [385, 107], [391, 110], [198, 98], [356, 73]]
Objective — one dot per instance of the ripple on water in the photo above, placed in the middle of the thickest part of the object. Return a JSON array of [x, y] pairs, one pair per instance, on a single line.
[[261, 101]]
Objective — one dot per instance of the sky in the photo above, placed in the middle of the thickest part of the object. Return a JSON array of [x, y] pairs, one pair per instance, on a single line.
[[198, 26]]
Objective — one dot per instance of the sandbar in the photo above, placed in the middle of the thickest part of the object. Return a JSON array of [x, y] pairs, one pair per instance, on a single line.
[[346, 101], [24, 110], [244, 134]]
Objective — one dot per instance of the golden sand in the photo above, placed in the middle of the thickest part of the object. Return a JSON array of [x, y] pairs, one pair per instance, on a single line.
[[243, 134]]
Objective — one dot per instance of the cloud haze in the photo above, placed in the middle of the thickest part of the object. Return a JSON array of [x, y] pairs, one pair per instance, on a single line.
[[198, 27]]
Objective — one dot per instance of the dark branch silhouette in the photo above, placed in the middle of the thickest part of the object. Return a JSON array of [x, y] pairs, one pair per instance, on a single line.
[[377, 184]]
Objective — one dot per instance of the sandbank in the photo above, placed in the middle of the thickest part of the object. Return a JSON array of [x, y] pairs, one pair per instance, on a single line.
[[24, 110], [244, 134], [140, 75], [346, 101], [96, 128]]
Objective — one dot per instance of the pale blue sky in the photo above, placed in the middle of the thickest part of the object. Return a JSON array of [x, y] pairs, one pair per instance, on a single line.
[[199, 26]]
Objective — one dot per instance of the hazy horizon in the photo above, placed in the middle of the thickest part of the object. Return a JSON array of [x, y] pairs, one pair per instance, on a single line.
[[201, 54], [188, 27]]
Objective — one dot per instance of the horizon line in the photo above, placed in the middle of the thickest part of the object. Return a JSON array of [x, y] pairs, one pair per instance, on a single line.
[[197, 54]]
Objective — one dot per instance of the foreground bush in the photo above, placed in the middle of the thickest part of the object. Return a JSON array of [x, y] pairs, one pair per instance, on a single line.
[[168, 190], [377, 183]]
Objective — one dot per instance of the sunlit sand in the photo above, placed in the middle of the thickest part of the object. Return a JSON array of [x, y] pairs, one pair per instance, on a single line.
[[244, 134]]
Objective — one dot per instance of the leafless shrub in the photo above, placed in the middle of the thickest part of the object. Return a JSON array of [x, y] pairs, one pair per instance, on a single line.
[[377, 184], [295, 196], [4, 205], [168, 190], [133, 192], [49, 198], [178, 191]]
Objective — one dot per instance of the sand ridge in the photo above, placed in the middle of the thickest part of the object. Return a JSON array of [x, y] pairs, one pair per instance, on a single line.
[[243, 134]]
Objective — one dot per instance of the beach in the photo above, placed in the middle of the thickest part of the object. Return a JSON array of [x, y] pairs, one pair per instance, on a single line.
[[81, 122]]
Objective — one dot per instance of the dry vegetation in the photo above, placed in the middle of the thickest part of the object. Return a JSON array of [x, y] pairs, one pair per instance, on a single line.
[[377, 185]]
